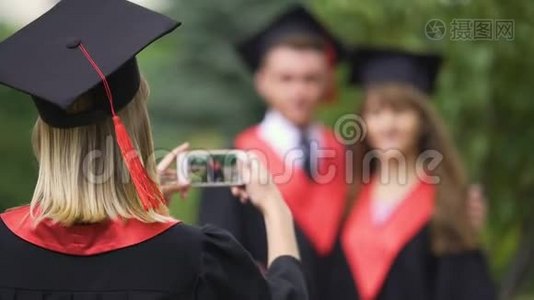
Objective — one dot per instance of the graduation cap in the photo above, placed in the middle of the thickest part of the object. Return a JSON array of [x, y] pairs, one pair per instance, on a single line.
[[296, 21], [86, 47], [371, 66]]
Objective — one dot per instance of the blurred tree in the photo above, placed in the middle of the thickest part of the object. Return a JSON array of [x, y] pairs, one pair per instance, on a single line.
[[18, 167], [18, 171]]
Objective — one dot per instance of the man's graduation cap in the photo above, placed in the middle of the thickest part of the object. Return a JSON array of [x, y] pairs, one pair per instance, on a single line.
[[371, 66], [86, 47], [295, 21]]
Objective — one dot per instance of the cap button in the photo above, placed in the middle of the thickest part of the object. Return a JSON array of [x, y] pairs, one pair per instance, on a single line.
[[73, 43]]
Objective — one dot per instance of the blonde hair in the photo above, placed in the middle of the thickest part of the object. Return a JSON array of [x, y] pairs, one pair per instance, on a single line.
[[450, 227], [82, 176]]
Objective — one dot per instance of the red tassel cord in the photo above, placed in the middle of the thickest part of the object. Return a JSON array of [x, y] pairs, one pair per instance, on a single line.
[[148, 191]]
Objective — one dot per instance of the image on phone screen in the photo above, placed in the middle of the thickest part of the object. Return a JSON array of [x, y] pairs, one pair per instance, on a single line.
[[211, 168]]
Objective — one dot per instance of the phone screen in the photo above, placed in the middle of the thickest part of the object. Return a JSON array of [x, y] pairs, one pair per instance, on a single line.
[[211, 168]]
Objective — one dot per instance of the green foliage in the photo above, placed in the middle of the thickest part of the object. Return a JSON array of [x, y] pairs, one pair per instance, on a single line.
[[18, 171]]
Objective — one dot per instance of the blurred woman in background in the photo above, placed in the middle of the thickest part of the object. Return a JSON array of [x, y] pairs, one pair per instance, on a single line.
[[408, 234]]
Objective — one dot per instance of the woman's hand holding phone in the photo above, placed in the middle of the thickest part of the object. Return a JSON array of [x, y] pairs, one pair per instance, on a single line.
[[168, 177], [258, 189]]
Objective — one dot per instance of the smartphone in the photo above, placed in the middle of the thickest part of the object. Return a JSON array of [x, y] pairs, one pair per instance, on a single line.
[[209, 168]]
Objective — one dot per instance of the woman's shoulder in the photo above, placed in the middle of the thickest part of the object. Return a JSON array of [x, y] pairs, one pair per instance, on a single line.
[[218, 250], [201, 232], [204, 239], [168, 237], [210, 239]]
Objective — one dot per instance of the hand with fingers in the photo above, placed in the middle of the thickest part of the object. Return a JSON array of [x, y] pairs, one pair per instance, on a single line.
[[477, 209], [259, 188], [168, 177]]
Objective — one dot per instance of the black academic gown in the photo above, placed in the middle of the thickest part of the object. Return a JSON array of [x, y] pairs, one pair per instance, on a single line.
[[402, 265], [418, 274], [317, 210], [134, 260]]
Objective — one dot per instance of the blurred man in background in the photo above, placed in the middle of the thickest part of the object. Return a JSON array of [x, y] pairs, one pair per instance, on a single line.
[[292, 61]]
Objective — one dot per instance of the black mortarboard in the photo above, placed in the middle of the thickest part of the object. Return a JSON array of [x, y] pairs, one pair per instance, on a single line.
[[295, 21], [86, 47], [371, 66], [43, 59]]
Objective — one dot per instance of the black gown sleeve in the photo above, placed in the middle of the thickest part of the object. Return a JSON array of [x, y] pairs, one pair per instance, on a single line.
[[228, 272], [464, 276]]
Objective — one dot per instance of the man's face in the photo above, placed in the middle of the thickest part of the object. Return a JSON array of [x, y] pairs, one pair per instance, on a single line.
[[293, 81]]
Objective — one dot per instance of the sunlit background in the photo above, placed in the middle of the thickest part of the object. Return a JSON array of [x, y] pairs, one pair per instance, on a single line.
[[202, 93]]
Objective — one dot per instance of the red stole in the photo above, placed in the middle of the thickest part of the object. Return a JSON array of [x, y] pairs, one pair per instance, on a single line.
[[371, 248], [317, 207], [81, 240]]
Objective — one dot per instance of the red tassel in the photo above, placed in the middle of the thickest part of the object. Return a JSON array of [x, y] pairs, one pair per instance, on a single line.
[[147, 190]]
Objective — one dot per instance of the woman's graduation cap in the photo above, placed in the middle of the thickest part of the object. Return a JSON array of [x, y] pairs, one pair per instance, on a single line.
[[371, 66], [84, 47]]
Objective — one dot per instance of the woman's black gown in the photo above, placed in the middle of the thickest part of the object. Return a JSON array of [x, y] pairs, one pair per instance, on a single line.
[[134, 260]]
